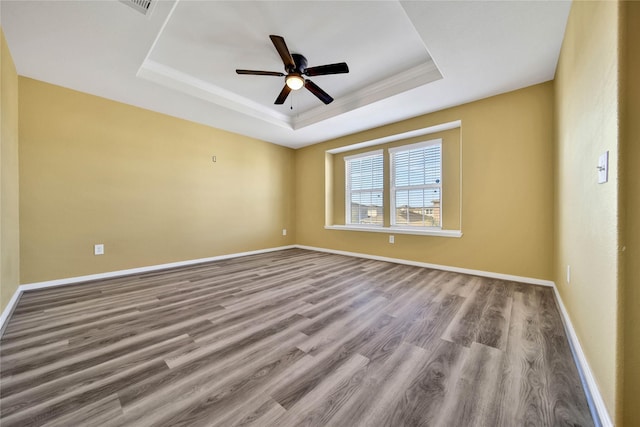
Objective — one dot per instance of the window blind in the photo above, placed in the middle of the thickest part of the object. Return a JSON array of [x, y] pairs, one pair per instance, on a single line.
[[364, 181], [416, 185]]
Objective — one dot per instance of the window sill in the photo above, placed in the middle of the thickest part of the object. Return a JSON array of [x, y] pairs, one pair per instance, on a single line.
[[396, 230]]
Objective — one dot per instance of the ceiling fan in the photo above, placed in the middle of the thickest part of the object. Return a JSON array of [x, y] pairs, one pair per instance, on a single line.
[[296, 67]]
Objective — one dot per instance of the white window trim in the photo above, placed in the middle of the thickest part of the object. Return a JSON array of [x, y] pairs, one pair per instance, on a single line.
[[347, 181], [363, 155], [418, 231], [392, 184]]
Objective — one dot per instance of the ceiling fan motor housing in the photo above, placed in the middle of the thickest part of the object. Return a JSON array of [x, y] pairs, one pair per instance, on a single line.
[[301, 63]]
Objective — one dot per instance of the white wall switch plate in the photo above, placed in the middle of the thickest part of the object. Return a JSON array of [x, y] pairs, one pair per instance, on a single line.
[[284, 231], [568, 274], [603, 168], [392, 239], [98, 249]]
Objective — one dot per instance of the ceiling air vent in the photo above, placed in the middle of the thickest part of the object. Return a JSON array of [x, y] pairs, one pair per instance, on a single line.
[[142, 6]]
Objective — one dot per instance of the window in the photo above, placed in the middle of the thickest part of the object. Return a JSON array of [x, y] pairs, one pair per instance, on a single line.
[[416, 185], [364, 182], [417, 189]]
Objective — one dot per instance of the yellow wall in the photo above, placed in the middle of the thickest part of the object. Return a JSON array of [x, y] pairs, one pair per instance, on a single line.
[[143, 184], [9, 203], [507, 198], [586, 118], [630, 376]]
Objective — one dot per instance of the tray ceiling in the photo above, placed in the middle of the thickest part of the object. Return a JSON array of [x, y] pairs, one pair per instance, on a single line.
[[405, 58]]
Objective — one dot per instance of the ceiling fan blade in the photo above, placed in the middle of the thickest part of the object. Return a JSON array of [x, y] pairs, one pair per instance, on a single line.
[[321, 70], [283, 50], [261, 73], [283, 95], [315, 89]]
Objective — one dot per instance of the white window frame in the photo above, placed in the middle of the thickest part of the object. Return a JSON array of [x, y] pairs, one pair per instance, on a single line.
[[393, 188], [348, 191]]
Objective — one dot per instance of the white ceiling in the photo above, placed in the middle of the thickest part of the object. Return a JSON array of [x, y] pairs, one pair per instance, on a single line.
[[405, 58]]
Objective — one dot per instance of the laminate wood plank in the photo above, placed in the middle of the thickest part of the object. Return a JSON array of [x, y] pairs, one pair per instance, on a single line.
[[520, 397], [35, 351], [341, 298], [188, 383], [105, 412], [129, 323], [400, 285], [292, 337], [24, 378], [99, 376], [460, 284], [463, 329], [434, 321], [38, 414], [50, 326], [261, 411], [208, 402], [255, 406], [360, 320], [336, 287], [563, 382], [268, 418], [375, 380], [199, 365], [74, 296], [13, 345], [420, 402], [403, 366], [494, 325], [332, 391], [343, 312], [102, 339], [238, 323], [288, 292], [469, 404], [327, 359], [389, 334], [416, 291], [238, 342]]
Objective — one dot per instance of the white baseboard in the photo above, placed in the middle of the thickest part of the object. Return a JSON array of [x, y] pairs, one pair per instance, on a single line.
[[79, 279], [596, 403], [482, 273], [9, 309]]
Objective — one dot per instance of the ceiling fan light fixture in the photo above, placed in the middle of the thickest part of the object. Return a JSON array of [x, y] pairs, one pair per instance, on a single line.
[[294, 81]]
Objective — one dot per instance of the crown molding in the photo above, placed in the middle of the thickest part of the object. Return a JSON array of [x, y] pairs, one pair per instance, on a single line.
[[192, 86], [411, 78]]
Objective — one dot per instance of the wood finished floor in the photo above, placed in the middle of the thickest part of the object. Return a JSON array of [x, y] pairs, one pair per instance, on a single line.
[[290, 338]]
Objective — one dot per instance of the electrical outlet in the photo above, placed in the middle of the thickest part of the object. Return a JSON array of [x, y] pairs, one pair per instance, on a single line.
[[98, 249], [568, 274], [392, 239], [284, 231]]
